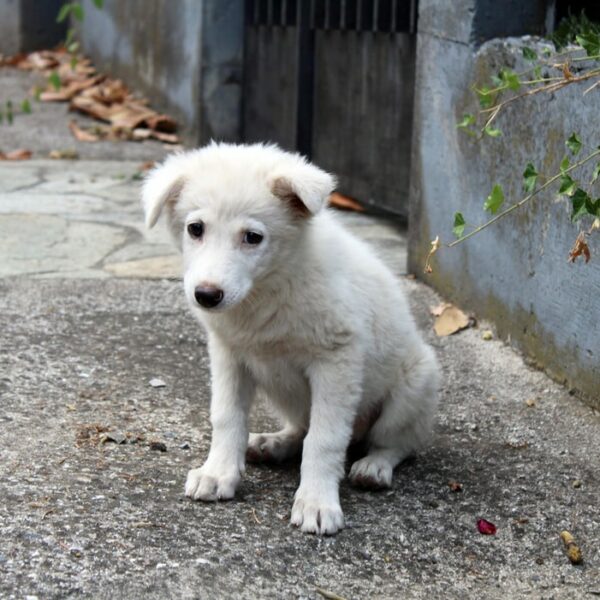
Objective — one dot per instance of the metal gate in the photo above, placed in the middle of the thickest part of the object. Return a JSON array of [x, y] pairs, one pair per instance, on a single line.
[[334, 79]]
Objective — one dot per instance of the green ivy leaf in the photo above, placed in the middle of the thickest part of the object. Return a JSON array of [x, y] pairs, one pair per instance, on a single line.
[[64, 12], [574, 143], [530, 176], [9, 112], [596, 173], [529, 54], [99, 3], [537, 72], [54, 79], [581, 204], [590, 42], [77, 11], [495, 200], [567, 185], [73, 47], [459, 225], [492, 131], [565, 164], [26, 106], [486, 99], [511, 79], [73, 62], [37, 92], [467, 120]]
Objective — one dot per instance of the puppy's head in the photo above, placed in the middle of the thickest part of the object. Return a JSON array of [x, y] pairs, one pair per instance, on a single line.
[[237, 212]]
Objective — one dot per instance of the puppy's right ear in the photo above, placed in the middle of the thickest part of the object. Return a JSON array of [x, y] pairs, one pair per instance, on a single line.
[[162, 187]]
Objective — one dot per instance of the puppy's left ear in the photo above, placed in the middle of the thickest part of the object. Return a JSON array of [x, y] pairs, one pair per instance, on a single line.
[[162, 187], [304, 187]]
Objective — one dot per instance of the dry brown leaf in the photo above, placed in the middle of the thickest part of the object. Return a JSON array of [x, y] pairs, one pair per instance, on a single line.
[[91, 107], [81, 134], [140, 134], [167, 138], [67, 154], [20, 154], [66, 92], [573, 551], [435, 246], [436, 311], [450, 321], [580, 248], [338, 200], [146, 166], [162, 123]]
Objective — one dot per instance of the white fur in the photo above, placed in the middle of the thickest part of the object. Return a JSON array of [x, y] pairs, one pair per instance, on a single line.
[[310, 317]]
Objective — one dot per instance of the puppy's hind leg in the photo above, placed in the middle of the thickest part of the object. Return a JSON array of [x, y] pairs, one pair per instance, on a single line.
[[403, 426], [275, 447]]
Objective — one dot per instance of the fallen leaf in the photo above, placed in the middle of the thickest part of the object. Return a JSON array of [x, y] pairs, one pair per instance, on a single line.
[[20, 154], [338, 200], [436, 311], [67, 154], [451, 320], [162, 123], [455, 486], [167, 138], [146, 166], [573, 551], [327, 594], [580, 248], [435, 246], [486, 527], [81, 134]]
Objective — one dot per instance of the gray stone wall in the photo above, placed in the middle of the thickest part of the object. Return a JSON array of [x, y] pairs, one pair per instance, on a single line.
[[516, 272], [185, 55]]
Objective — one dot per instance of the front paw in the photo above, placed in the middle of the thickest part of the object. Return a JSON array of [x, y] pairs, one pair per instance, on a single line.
[[210, 484], [315, 512]]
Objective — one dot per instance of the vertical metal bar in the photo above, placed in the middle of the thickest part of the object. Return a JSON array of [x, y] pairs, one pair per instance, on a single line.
[[343, 15], [284, 7], [269, 13], [413, 16], [375, 15], [305, 81], [393, 22]]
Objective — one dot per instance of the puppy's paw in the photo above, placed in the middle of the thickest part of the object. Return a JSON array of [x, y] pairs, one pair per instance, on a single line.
[[316, 513], [272, 447], [209, 485], [371, 473]]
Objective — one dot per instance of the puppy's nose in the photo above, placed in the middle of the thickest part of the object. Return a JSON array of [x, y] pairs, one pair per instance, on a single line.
[[208, 296]]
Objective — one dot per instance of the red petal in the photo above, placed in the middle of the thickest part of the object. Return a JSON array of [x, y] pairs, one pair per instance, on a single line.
[[486, 527]]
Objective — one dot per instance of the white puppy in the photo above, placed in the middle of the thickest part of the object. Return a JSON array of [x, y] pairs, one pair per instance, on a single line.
[[299, 309]]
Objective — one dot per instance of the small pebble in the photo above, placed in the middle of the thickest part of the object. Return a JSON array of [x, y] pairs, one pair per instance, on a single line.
[[577, 483], [185, 446], [158, 446], [487, 335], [157, 383]]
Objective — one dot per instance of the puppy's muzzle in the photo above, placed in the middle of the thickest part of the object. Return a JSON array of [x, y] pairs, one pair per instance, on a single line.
[[208, 296]]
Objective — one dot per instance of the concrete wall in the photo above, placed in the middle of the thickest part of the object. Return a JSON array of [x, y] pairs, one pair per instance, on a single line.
[[515, 273], [185, 55], [27, 25]]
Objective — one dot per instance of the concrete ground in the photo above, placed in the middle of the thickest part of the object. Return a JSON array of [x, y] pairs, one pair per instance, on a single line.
[[94, 458]]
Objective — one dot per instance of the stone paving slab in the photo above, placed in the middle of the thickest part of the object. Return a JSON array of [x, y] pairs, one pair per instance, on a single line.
[[89, 315]]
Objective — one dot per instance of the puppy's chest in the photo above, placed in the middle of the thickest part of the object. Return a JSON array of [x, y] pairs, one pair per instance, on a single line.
[[278, 375]]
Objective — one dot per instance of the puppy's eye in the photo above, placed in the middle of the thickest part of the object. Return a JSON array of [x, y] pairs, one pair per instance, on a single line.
[[196, 230], [252, 238]]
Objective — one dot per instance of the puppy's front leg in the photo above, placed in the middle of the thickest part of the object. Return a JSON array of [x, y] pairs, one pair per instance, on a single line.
[[232, 393], [336, 389]]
